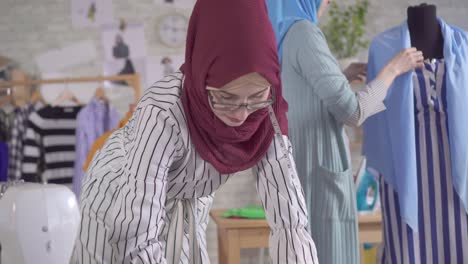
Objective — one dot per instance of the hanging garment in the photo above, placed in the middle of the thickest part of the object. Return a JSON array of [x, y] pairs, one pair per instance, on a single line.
[[93, 121], [3, 162], [18, 136], [321, 102], [49, 148], [134, 192], [443, 222], [6, 120], [102, 139], [389, 137]]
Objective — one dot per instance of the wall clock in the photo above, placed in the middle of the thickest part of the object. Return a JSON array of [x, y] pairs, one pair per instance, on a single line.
[[172, 30]]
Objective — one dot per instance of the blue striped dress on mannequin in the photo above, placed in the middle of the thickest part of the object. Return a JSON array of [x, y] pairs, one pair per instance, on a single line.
[[419, 147], [443, 222]]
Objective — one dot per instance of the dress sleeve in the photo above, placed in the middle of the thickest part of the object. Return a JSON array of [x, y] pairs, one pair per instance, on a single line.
[[282, 197], [139, 212], [32, 155], [370, 102]]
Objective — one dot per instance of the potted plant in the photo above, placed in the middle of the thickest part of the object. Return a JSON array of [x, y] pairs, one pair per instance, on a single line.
[[345, 30]]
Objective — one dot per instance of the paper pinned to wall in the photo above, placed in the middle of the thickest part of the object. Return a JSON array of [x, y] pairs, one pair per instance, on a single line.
[[125, 66], [57, 60], [177, 3], [91, 13], [160, 66], [127, 43], [118, 92]]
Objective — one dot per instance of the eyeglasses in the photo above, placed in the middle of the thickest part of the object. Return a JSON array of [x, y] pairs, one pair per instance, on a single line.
[[227, 106]]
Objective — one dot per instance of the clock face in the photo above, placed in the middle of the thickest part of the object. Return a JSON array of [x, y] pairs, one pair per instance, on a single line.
[[173, 30]]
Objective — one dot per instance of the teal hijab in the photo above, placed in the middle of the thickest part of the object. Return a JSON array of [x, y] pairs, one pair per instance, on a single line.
[[284, 13]]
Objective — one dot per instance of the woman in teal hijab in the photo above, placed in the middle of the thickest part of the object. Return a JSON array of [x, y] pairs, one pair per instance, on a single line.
[[321, 102]]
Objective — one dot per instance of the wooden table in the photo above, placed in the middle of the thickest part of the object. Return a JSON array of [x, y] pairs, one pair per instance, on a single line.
[[235, 234], [370, 230]]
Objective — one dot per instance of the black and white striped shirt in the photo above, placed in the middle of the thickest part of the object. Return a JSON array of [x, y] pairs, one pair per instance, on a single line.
[[18, 137], [148, 193], [49, 148]]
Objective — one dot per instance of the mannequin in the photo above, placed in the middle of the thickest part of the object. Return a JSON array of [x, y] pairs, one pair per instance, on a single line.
[[424, 216], [425, 31]]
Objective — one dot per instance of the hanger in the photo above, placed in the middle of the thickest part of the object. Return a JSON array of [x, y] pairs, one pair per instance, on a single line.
[[100, 94], [66, 98], [36, 97]]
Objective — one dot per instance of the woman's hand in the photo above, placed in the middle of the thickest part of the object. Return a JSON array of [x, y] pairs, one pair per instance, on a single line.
[[406, 60], [356, 72]]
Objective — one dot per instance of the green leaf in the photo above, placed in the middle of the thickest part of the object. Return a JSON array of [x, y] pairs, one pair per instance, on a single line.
[[345, 30]]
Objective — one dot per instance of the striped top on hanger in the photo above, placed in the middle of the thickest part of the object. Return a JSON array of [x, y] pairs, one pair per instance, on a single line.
[[18, 137], [49, 148]]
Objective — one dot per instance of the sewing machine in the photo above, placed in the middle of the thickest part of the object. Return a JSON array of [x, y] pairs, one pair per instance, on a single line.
[[38, 223]]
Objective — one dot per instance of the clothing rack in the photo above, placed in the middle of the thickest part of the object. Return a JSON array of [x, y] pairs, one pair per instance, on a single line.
[[133, 81]]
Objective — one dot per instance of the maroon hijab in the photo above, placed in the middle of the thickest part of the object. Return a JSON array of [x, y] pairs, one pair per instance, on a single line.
[[227, 39]]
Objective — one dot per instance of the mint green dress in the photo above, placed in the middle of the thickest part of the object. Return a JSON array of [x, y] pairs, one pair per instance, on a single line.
[[320, 101]]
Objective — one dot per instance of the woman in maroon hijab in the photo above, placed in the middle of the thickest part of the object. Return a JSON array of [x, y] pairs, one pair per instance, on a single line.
[[148, 191]]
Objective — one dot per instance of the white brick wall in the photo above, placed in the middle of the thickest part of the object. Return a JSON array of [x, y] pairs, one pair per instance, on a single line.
[[29, 27], [384, 13]]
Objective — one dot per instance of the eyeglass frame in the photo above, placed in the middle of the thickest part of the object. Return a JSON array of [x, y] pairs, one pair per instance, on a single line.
[[269, 102]]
